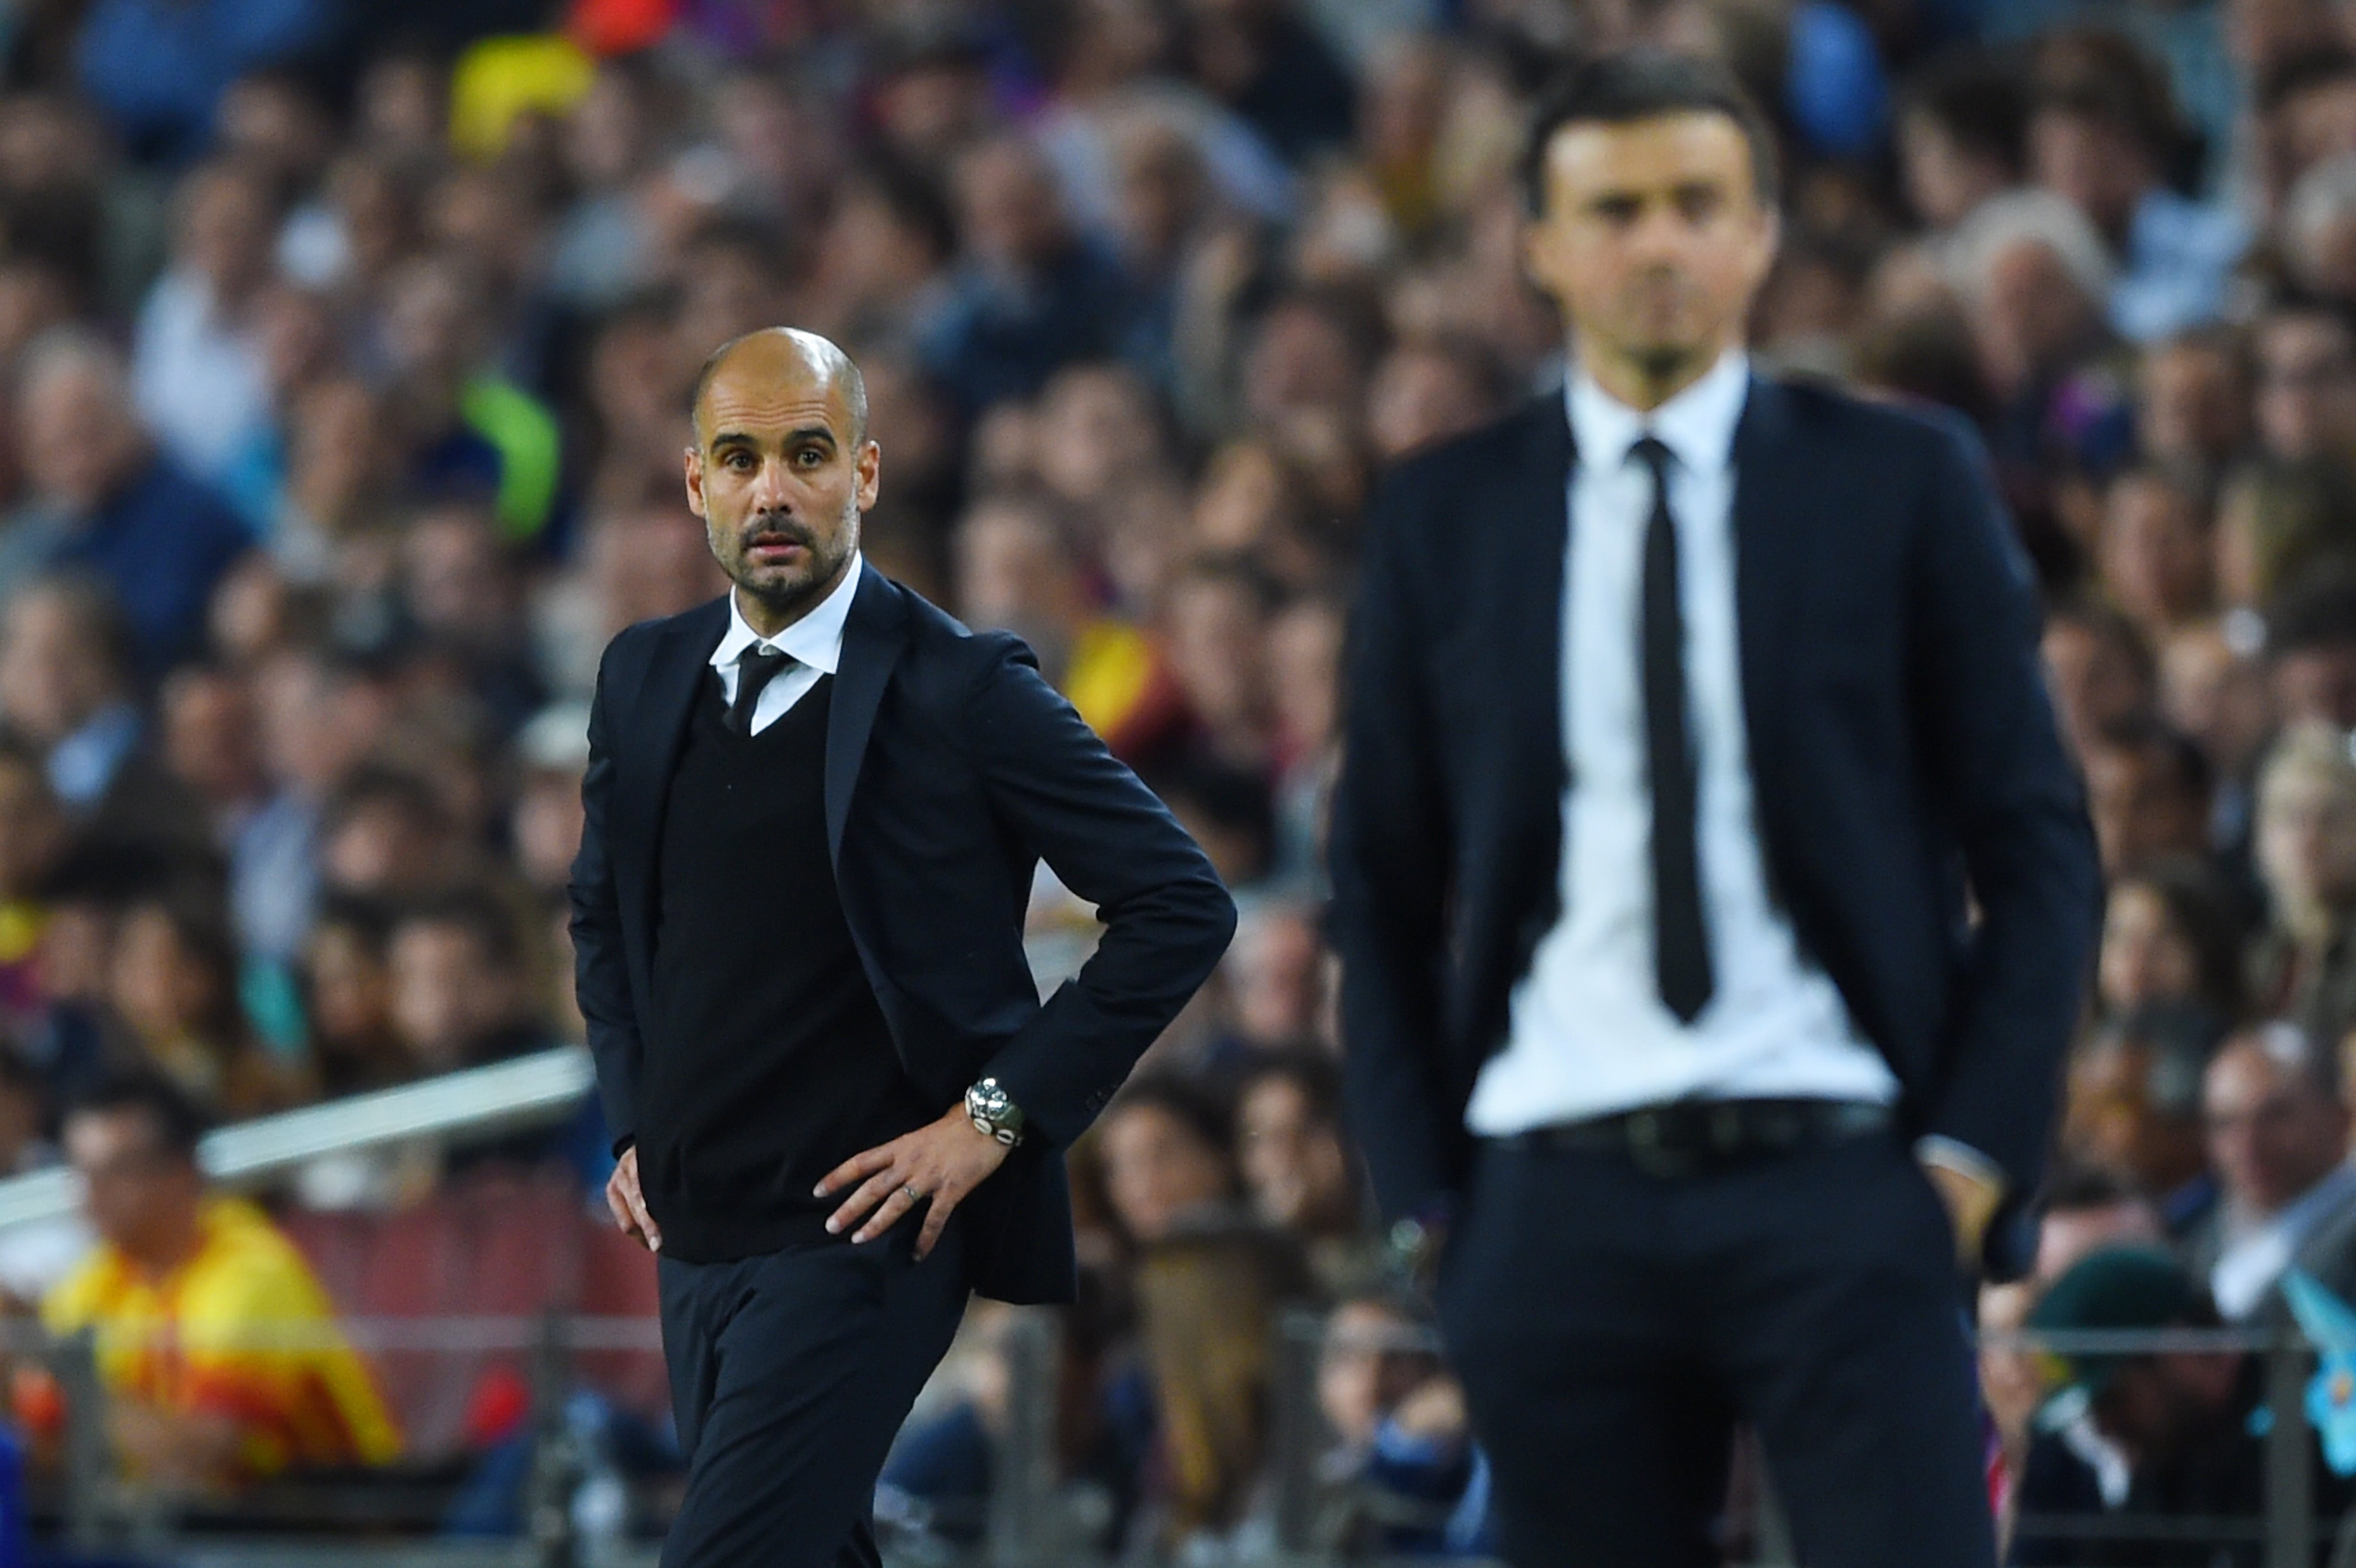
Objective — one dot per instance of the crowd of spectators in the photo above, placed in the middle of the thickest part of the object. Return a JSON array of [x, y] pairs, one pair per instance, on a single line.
[[343, 361]]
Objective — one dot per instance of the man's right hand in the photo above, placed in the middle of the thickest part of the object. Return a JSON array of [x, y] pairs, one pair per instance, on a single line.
[[629, 1204]]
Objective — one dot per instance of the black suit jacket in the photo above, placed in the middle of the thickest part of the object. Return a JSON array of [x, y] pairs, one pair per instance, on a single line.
[[1902, 748], [951, 769]]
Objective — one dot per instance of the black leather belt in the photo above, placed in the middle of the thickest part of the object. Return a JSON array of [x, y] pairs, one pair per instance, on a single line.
[[1686, 1136]]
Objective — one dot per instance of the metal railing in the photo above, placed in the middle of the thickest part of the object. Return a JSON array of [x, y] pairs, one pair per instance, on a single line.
[[2289, 1528], [468, 1105], [101, 1513], [1037, 1517]]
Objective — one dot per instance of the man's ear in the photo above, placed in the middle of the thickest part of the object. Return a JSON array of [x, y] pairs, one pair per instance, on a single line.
[[871, 475], [695, 467], [1535, 244], [1772, 220]]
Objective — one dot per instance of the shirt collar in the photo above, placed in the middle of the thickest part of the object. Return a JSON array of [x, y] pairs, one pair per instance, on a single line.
[[816, 639], [2302, 1214], [84, 765], [1697, 425]]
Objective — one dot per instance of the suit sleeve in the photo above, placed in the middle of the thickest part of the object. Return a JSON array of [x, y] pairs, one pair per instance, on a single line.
[[601, 975], [1167, 919], [2019, 814], [1390, 865]]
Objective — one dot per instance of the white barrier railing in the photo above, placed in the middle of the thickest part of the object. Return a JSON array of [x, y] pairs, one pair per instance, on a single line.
[[464, 1106]]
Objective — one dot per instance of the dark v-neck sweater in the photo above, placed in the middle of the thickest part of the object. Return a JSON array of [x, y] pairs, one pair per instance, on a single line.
[[770, 1063]]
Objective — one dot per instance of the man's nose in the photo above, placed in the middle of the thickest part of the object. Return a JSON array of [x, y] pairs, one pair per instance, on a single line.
[[1662, 234], [768, 494]]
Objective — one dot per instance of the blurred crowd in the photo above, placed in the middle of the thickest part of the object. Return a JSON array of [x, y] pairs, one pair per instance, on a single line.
[[343, 350]]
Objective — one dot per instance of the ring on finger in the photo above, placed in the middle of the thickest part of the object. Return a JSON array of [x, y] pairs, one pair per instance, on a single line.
[[912, 1195]]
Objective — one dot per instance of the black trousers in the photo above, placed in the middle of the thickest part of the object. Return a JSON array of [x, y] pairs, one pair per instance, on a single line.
[[791, 1374], [1611, 1326]]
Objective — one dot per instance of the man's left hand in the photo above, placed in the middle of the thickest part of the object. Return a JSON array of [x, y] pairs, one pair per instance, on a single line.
[[942, 1162], [1971, 1201]]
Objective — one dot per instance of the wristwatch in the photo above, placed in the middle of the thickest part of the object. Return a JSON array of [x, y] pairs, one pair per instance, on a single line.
[[993, 1112]]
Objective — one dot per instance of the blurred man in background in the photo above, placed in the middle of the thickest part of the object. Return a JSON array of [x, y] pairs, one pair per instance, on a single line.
[[108, 504], [218, 1347], [2278, 1141], [2173, 1434], [69, 690], [1675, 1056]]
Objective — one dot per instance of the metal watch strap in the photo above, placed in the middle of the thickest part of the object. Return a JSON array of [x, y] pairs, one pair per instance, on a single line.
[[993, 1112]]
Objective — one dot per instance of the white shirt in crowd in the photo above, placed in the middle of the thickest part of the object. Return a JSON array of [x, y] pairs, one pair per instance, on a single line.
[[2257, 1250], [199, 382], [814, 643], [1588, 1035]]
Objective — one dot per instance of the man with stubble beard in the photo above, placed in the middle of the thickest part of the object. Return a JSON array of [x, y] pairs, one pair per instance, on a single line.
[[813, 808], [1713, 895]]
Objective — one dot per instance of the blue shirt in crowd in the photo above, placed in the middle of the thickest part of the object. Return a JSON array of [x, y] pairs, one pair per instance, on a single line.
[[995, 338], [158, 68], [2180, 254], [159, 543]]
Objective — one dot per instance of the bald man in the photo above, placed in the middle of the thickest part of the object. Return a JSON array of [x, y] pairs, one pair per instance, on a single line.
[[814, 808], [2277, 1137]]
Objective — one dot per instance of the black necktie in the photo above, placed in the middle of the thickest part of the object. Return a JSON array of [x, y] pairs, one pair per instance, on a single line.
[[757, 667], [1680, 942]]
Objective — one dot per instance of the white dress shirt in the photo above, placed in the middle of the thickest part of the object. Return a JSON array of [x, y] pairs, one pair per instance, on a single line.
[[814, 643], [200, 383], [2258, 1248], [1589, 1034]]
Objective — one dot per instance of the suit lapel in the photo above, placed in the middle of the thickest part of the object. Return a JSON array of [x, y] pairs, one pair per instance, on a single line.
[[871, 639], [658, 727], [1532, 496], [1537, 545], [675, 672], [1768, 559]]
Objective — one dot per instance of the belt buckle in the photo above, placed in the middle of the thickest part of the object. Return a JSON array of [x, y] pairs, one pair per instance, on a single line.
[[1646, 1151], [1728, 1129]]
